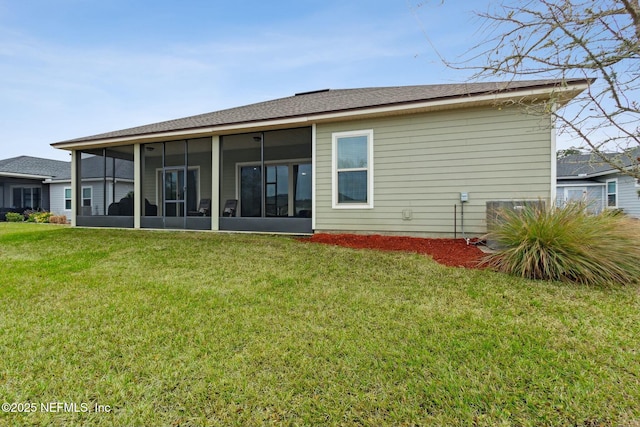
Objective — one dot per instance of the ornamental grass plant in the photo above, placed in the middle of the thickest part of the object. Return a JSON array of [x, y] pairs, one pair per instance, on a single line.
[[567, 244]]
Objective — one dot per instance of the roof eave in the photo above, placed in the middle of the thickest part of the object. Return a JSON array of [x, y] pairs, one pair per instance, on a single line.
[[23, 175], [562, 96], [610, 171]]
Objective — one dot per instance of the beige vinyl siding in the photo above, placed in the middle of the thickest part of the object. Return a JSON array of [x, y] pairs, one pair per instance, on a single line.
[[150, 179], [422, 163]]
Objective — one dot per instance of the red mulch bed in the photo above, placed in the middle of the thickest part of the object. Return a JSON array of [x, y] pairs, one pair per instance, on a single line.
[[451, 252]]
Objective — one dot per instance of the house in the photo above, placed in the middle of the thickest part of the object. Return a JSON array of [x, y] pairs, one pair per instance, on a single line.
[[44, 184], [105, 182], [371, 160], [587, 178], [25, 183]]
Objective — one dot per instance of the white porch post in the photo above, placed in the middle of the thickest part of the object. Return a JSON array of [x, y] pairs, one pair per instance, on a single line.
[[74, 187], [137, 186], [313, 176], [215, 182]]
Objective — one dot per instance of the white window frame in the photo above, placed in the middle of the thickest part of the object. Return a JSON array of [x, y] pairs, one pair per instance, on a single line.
[[334, 169], [606, 190], [82, 198], [64, 197]]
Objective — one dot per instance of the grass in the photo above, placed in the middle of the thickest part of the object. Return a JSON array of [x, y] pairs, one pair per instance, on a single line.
[[178, 328]]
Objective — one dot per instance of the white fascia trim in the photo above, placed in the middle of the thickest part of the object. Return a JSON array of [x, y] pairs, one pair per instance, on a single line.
[[584, 184], [24, 175], [425, 106]]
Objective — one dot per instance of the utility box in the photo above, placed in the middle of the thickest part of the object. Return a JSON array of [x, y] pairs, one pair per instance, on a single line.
[[464, 197]]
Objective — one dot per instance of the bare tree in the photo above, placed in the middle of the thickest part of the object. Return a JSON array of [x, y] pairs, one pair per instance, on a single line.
[[568, 39]]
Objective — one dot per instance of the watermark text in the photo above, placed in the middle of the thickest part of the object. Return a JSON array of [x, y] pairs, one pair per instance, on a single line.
[[55, 407]]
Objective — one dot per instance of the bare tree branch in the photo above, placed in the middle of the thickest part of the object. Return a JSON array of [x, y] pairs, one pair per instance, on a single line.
[[567, 39]]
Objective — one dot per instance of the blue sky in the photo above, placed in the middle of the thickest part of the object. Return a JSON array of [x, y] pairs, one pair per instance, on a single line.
[[72, 68]]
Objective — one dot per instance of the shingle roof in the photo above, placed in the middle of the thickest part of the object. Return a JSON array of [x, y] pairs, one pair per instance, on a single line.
[[328, 101], [93, 167], [27, 165], [585, 165]]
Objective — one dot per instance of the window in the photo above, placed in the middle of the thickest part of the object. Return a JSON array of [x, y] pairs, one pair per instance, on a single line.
[[287, 189], [26, 197], [67, 198], [612, 193], [353, 170], [86, 196]]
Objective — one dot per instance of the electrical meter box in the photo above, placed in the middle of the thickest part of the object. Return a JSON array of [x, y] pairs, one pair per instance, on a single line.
[[464, 197]]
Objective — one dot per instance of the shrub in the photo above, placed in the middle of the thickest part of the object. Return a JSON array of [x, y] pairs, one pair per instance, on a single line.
[[39, 217], [14, 217], [567, 244], [58, 219], [28, 215]]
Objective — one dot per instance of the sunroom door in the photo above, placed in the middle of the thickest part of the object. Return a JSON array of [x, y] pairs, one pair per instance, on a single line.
[[175, 190]]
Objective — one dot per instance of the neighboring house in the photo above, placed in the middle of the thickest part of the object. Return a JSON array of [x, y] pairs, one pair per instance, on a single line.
[[584, 177], [97, 193], [25, 183], [44, 184], [372, 160]]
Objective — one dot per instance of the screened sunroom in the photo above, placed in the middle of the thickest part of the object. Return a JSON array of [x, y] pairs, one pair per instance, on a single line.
[[258, 181]]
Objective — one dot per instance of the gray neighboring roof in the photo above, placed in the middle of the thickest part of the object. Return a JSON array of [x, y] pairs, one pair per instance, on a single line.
[[586, 165], [27, 165], [330, 101], [93, 167]]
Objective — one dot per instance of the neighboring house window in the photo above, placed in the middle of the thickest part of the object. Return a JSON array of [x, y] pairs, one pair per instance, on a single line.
[[612, 193], [67, 198], [353, 170], [86, 196], [26, 197]]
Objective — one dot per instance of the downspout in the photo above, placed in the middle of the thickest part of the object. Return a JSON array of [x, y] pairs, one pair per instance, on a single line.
[[554, 165]]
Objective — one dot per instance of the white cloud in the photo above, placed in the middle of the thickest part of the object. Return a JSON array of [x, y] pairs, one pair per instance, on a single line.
[[59, 90]]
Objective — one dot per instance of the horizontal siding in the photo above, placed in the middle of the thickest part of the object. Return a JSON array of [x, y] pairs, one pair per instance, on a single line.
[[628, 199], [56, 193], [422, 163], [628, 196]]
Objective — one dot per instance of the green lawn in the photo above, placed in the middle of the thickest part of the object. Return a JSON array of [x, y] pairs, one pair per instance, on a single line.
[[182, 329]]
